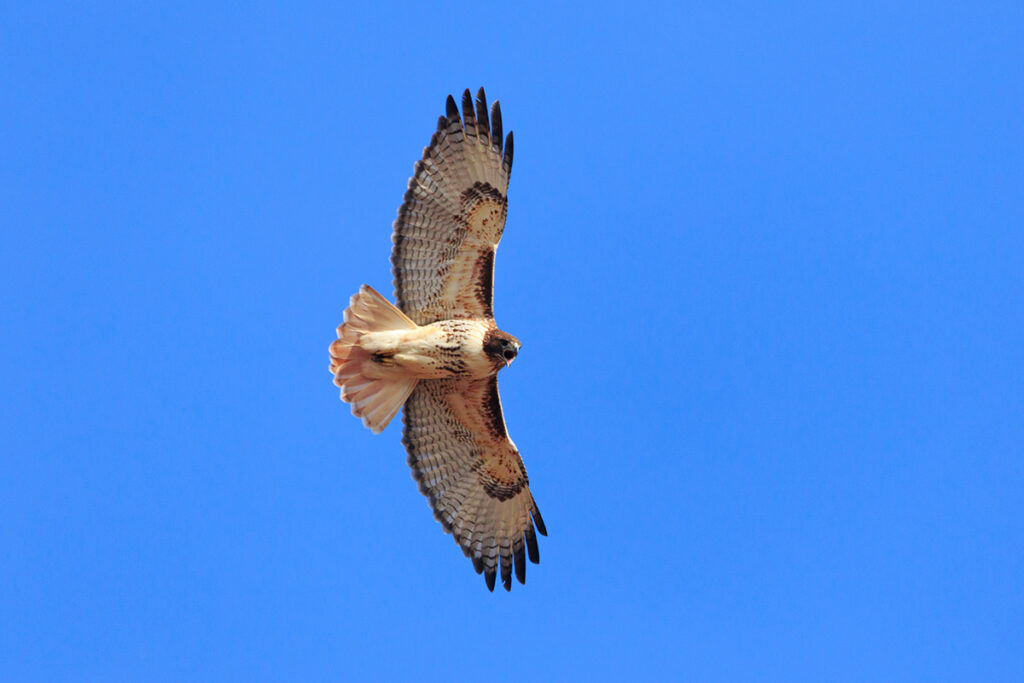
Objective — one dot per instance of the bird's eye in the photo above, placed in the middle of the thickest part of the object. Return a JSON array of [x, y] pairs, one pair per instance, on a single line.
[[509, 354]]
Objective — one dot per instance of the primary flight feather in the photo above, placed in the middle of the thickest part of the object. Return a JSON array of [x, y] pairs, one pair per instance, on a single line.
[[439, 351]]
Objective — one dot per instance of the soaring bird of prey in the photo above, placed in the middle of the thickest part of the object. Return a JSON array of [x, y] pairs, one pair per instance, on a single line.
[[438, 352]]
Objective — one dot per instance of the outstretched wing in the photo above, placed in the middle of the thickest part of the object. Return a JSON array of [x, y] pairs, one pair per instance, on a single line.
[[468, 467], [453, 215]]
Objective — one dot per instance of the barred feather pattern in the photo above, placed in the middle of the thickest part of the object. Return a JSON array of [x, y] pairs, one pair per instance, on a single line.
[[453, 216], [470, 470]]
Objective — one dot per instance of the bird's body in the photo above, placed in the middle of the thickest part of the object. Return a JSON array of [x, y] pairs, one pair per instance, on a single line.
[[445, 349], [438, 352]]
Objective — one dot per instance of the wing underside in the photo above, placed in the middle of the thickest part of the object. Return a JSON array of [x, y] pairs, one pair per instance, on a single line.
[[453, 215], [471, 472]]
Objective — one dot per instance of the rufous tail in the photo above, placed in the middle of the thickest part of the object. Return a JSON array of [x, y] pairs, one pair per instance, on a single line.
[[375, 399]]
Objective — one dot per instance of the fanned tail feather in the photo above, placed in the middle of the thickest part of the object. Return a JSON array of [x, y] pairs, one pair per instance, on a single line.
[[374, 399]]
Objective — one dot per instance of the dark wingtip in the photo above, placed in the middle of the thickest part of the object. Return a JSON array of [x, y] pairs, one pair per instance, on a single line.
[[507, 159], [451, 109], [506, 571], [520, 559], [489, 576], [468, 115], [538, 520], [496, 125], [531, 545], [483, 127]]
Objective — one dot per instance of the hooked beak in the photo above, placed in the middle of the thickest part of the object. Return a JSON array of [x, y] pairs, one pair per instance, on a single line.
[[508, 361]]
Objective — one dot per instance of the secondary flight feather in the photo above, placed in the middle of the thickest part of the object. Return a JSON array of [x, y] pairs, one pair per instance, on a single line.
[[439, 351]]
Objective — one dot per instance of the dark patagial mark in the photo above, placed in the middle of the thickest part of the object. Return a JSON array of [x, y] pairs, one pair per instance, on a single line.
[[485, 281], [491, 409]]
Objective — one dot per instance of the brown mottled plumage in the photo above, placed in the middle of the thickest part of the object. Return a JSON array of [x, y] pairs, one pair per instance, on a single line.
[[439, 351]]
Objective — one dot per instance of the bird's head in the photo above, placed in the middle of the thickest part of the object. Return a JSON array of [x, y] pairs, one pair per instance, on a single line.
[[501, 347]]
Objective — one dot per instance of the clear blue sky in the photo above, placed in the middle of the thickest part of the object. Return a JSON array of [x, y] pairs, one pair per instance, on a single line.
[[766, 261]]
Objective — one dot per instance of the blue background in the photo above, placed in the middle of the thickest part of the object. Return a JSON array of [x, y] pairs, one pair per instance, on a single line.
[[765, 259]]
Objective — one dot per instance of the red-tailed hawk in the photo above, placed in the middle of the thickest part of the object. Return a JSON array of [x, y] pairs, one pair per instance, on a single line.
[[438, 352]]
